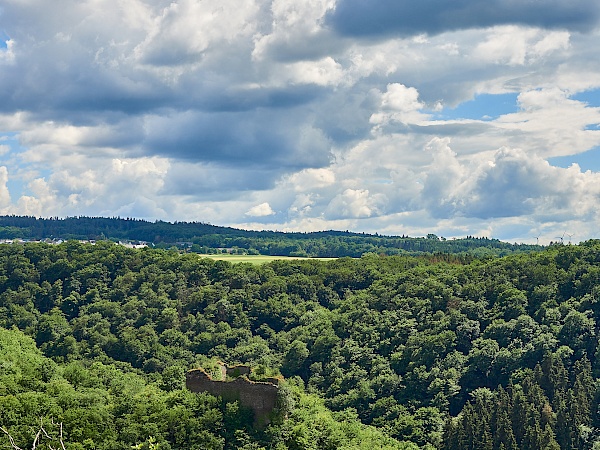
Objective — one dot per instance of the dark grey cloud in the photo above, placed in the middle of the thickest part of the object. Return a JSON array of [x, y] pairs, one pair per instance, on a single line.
[[220, 98], [70, 85], [94, 96], [214, 182], [345, 115], [408, 17], [512, 187], [261, 138], [310, 48], [442, 129]]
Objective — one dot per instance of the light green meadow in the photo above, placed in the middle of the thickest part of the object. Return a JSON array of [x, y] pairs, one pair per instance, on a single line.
[[254, 259]]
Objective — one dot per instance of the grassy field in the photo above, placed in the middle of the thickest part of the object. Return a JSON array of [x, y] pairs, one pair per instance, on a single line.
[[254, 259]]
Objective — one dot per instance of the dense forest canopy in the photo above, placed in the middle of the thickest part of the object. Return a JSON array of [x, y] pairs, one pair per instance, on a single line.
[[205, 238], [378, 352]]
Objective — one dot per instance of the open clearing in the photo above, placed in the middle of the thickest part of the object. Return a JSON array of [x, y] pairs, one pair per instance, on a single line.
[[254, 259]]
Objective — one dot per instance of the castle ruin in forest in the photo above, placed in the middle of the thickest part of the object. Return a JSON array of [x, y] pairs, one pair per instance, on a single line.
[[259, 396]]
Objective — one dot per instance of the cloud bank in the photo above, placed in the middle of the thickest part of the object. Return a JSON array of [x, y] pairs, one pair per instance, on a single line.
[[405, 18], [389, 117]]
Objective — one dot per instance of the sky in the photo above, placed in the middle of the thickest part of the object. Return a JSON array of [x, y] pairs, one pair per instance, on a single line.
[[397, 117]]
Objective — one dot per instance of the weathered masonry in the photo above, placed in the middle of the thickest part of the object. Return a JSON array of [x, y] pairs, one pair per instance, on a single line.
[[259, 396]]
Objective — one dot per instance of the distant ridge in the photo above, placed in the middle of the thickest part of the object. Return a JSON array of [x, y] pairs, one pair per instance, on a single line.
[[207, 238]]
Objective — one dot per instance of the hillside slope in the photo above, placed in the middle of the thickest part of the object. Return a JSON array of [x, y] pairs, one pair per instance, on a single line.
[[468, 354], [203, 238]]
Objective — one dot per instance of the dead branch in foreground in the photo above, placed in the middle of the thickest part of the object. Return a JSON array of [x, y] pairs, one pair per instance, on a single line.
[[41, 435]]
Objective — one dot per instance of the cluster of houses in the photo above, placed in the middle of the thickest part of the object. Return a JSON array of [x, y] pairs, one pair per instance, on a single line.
[[127, 244]]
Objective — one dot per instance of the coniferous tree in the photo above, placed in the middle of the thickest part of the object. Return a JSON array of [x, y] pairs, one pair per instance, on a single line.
[[555, 378], [450, 436], [547, 440], [564, 420], [503, 436], [519, 413], [533, 433], [584, 389]]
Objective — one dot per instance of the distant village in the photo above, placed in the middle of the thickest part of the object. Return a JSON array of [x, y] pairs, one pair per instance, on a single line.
[[127, 244], [181, 246]]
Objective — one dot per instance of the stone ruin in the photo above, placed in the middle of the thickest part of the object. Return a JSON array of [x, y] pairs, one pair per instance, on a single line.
[[260, 396], [234, 371]]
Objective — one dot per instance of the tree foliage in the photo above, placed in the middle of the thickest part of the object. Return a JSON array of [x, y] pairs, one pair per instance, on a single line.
[[206, 238], [380, 352]]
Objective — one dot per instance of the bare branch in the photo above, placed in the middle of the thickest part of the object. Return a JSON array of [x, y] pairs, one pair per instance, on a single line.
[[45, 433], [60, 436], [36, 439], [10, 438], [39, 436]]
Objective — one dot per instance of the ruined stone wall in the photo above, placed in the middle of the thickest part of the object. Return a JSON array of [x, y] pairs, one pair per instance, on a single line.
[[233, 371], [260, 397], [238, 370]]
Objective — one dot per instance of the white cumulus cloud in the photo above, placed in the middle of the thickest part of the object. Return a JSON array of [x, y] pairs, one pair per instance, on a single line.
[[264, 209]]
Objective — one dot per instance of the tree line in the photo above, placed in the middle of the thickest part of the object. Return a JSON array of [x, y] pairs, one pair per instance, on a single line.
[[204, 238]]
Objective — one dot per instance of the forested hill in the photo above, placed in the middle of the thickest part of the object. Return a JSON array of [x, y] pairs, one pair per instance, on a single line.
[[395, 352], [205, 238]]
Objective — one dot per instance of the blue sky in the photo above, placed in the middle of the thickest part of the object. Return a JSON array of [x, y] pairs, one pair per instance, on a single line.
[[3, 37], [454, 118], [589, 160], [591, 97], [482, 107]]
